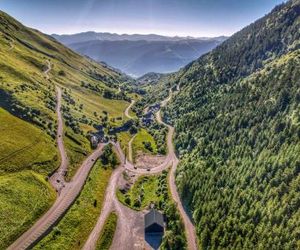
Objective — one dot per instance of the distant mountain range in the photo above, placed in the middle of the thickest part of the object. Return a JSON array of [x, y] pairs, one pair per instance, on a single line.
[[137, 55]]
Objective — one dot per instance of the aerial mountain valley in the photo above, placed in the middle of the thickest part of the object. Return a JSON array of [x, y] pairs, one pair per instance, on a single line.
[[174, 150]]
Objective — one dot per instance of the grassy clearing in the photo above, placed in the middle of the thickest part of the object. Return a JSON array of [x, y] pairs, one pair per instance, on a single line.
[[107, 234], [24, 197], [21, 150], [146, 190], [143, 142], [74, 229], [124, 139], [88, 102], [155, 190], [77, 150]]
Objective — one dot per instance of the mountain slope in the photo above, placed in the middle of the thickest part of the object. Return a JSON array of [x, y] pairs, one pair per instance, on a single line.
[[238, 133], [139, 54], [31, 65]]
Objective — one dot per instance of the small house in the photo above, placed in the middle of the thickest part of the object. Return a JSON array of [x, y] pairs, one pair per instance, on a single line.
[[94, 141], [154, 222]]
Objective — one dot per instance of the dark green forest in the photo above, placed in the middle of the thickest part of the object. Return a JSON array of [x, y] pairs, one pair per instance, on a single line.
[[237, 120]]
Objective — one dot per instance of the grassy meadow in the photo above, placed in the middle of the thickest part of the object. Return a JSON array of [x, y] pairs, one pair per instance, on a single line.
[[24, 146], [24, 197], [139, 144], [146, 190], [27, 156]]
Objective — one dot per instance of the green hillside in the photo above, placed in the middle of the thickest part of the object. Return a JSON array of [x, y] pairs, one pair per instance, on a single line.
[[27, 155], [29, 92], [238, 134], [32, 64]]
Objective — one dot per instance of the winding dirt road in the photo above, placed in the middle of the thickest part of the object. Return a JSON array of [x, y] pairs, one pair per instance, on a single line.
[[61, 205], [130, 154], [47, 70], [108, 206], [189, 226], [129, 234], [127, 110]]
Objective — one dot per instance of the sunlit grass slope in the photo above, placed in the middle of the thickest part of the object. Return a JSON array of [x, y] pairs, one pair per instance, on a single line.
[[24, 197], [140, 141], [24, 146], [25, 55]]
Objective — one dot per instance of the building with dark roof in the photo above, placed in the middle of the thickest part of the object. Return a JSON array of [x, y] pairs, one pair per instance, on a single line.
[[94, 141], [154, 222]]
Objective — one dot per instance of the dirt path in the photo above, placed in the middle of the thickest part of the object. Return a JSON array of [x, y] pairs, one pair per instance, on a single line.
[[128, 109], [130, 155], [57, 179], [47, 70], [108, 206], [129, 233], [11, 45]]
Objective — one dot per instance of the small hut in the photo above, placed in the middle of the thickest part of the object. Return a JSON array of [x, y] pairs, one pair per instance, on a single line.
[[94, 141], [154, 222]]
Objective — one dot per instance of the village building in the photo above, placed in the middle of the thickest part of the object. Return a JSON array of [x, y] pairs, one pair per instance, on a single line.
[[154, 222], [94, 141], [149, 117]]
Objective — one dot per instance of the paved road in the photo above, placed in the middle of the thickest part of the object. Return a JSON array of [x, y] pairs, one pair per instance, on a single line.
[[57, 179], [128, 109], [68, 191], [56, 212]]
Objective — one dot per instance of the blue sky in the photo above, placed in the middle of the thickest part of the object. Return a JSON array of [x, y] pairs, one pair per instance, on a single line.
[[167, 17]]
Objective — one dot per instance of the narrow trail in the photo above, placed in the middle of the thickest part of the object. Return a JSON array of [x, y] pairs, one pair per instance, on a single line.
[[57, 179], [48, 69], [130, 154], [11, 45], [129, 234], [128, 110]]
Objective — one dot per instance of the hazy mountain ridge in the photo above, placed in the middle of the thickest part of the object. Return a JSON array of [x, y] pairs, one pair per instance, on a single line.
[[237, 122], [139, 54], [106, 36]]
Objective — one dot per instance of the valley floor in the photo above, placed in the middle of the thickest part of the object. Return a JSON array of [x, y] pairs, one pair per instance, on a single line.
[[129, 232]]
